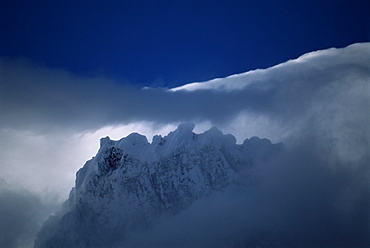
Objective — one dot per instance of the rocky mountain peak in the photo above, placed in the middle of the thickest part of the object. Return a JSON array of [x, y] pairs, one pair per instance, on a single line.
[[130, 183]]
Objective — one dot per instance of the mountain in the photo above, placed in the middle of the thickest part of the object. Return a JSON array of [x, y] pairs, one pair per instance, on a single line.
[[131, 183]]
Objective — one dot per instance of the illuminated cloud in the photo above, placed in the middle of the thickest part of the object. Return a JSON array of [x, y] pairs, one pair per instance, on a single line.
[[51, 122], [49, 113]]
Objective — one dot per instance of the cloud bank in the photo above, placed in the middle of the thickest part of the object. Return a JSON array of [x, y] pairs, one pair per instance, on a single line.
[[296, 201], [21, 215], [38, 98], [318, 105]]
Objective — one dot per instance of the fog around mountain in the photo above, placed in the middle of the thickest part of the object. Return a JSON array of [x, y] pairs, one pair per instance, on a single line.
[[317, 105]]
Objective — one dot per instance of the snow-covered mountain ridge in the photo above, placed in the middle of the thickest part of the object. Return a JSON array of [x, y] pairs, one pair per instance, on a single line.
[[131, 182]]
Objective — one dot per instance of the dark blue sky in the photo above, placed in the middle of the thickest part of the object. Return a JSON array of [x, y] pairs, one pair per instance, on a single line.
[[169, 43]]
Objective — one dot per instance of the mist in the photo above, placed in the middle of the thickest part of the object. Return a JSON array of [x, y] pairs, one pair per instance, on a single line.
[[22, 214], [314, 194], [302, 199]]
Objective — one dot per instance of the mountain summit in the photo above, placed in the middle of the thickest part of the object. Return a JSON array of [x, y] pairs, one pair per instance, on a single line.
[[131, 183]]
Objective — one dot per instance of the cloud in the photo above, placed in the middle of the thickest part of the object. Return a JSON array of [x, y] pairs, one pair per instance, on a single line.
[[47, 100], [51, 122], [40, 98], [297, 201], [21, 216]]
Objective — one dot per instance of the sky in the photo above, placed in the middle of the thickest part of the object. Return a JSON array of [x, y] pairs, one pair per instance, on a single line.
[[170, 43], [75, 71]]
